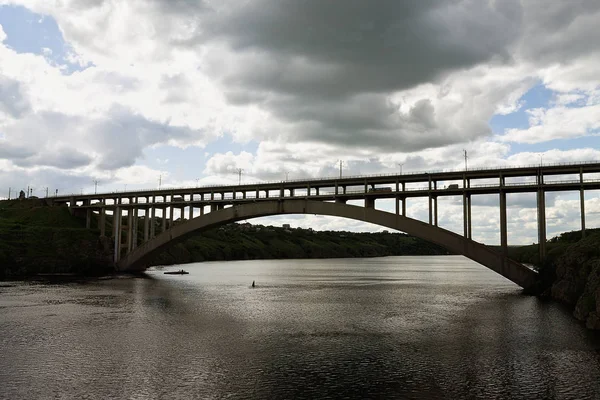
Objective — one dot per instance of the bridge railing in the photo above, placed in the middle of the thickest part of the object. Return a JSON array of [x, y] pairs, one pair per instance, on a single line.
[[362, 192], [320, 179]]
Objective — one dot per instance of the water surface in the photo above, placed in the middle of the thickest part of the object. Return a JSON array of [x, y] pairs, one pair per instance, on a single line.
[[395, 327]]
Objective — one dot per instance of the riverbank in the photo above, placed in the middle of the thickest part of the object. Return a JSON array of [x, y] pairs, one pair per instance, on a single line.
[[571, 274]]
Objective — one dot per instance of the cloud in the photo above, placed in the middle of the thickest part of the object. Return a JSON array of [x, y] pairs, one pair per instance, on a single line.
[[13, 102]]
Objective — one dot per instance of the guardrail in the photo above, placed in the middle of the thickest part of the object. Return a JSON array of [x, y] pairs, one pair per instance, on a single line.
[[337, 177], [362, 192]]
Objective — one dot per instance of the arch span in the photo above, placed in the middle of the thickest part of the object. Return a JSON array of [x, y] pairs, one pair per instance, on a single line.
[[137, 260]]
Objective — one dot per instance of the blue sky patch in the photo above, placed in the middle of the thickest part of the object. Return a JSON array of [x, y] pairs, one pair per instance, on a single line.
[[28, 32]]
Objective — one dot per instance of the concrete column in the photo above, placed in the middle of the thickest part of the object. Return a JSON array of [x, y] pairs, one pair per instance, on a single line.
[[291, 192], [308, 190], [212, 195], [117, 233], [102, 221], [336, 189], [257, 193], [129, 230], [281, 192], [191, 213], [344, 189], [135, 227], [202, 210], [503, 222], [541, 205], [171, 216], [317, 191], [267, 193], [366, 186], [397, 185], [88, 218], [470, 226], [369, 202], [146, 224], [404, 206], [582, 202], [430, 209], [244, 194], [435, 210], [164, 219], [152, 222], [465, 215], [397, 205]]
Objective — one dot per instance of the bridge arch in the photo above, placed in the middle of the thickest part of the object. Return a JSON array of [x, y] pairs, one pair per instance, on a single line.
[[137, 260]]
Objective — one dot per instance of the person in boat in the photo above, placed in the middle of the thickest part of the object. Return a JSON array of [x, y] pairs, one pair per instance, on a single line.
[[253, 284]]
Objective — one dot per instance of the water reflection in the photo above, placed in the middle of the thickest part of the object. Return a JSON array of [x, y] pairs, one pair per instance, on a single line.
[[398, 327]]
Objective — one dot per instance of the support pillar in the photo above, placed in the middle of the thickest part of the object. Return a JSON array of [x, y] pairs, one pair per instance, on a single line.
[[369, 202], [129, 230], [88, 218], [152, 222], [503, 223], [191, 212], [146, 225], [435, 210], [430, 209], [541, 206], [117, 234], [465, 216], [164, 219], [171, 216], [102, 221], [582, 202], [404, 207], [469, 224], [397, 205]]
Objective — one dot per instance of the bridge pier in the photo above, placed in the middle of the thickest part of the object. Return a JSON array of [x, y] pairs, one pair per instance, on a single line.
[[102, 221], [541, 208], [146, 225], [582, 202], [369, 202], [117, 233], [152, 222], [503, 224]]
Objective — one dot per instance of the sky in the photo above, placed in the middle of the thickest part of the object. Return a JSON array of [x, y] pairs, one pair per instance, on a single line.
[[120, 94]]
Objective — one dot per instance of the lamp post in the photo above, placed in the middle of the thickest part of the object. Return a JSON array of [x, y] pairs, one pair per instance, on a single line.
[[400, 165]]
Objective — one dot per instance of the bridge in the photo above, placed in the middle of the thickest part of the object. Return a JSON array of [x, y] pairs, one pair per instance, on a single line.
[[143, 222]]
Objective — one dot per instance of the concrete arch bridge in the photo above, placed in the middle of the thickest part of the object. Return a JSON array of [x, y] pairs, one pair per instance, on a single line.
[[209, 206], [138, 258]]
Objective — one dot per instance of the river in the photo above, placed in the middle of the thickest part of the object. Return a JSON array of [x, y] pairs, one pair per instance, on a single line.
[[395, 327]]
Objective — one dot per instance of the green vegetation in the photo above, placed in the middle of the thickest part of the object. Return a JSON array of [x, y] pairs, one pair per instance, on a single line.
[[245, 241], [35, 238], [555, 248]]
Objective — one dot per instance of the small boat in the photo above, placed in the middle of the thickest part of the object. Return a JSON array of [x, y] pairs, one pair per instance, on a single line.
[[180, 272]]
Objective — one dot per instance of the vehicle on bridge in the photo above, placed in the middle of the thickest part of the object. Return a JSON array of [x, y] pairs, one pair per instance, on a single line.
[[380, 189], [452, 186]]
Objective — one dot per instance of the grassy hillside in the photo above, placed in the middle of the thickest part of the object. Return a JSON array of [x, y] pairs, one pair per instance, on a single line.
[[35, 238]]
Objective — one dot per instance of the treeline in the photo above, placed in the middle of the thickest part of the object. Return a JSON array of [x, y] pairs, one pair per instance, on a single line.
[[248, 242]]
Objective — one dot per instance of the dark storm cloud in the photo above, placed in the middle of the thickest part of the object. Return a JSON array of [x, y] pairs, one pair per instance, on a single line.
[[561, 31], [334, 49]]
